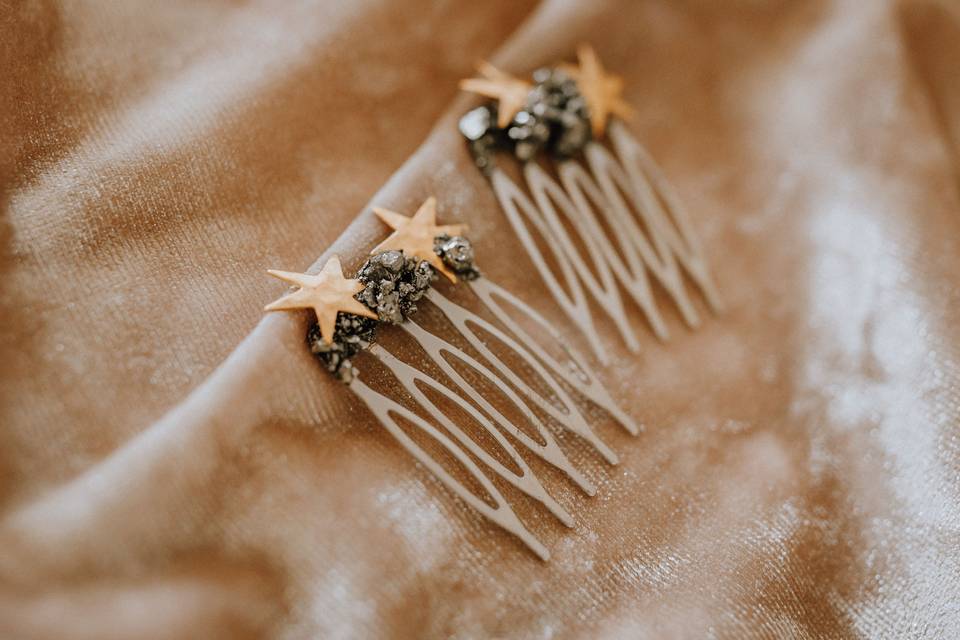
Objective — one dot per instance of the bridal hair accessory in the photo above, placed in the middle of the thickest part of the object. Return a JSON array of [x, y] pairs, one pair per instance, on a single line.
[[628, 223], [502, 391], [397, 277]]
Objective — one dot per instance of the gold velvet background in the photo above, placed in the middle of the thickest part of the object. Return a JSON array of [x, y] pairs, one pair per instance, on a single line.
[[173, 465]]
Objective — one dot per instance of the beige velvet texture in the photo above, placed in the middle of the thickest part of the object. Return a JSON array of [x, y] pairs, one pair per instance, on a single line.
[[175, 465]]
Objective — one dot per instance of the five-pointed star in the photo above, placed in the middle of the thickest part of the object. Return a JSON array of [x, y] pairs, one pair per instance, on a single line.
[[511, 93], [327, 293], [414, 236], [600, 89]]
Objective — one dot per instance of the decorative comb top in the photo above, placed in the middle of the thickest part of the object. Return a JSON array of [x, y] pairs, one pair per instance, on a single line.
[[327, 293], [386, 289], [559, 112], [416, 236]]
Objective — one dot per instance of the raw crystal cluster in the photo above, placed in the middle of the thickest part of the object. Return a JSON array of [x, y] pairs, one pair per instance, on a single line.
[[457, 254], [555, 119], [353, 333], [393, 283]]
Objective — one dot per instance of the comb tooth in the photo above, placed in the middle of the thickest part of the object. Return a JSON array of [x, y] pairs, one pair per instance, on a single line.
[[385, 409]]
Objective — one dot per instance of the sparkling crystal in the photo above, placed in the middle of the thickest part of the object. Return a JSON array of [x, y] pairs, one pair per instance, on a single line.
[[474, 124]]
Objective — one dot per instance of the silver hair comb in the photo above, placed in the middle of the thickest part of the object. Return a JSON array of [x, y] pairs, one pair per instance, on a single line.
[[627, 218], [388, 287]]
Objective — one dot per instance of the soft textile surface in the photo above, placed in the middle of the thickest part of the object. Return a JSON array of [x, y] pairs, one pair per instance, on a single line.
[[173, 465]]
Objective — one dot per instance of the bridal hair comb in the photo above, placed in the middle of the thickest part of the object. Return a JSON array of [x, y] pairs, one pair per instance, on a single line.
[[387, 289], [510, 387], [628, 221]]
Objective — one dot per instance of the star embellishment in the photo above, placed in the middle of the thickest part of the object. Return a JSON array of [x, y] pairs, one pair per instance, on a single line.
[[509, 92], [600, 89], [327, 293], [414, 235]]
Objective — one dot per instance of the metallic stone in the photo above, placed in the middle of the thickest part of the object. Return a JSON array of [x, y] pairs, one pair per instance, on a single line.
[[457, 254], [555, 120], [353, 333], [393, 284], [474, 124]]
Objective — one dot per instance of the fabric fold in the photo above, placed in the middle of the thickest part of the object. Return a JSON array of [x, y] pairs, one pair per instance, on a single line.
[[796, 477]]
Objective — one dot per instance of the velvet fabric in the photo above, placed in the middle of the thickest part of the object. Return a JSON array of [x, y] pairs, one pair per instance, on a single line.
[[175, 465]]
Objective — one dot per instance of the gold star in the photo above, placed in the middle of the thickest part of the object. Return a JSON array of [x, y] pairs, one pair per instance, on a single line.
[[414, 236], [327, 293], [600, 89], [511, 93]]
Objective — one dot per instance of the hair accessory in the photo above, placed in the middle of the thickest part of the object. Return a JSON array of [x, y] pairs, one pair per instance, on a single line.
[[629, 224], [387, 290]]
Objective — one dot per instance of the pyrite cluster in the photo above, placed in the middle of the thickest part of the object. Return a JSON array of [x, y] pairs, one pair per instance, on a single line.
[[457, 255], [555, 119], [393, 284]]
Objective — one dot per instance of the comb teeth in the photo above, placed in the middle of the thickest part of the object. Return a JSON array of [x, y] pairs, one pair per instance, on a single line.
[[526, 481], [626, 193], [577, 374], [388, 410], [475, 403]]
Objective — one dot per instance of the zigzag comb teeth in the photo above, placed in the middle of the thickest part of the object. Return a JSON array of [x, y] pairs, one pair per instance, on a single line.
[[397, 278], [629, 225]]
